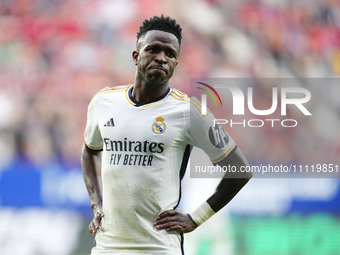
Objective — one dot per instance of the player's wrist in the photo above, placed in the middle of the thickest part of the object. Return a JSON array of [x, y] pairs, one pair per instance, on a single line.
[[193, 222], [202, 213], [96, 207]]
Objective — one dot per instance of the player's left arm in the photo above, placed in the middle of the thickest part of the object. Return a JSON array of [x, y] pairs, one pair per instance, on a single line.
[[229, 186], [232, 182]]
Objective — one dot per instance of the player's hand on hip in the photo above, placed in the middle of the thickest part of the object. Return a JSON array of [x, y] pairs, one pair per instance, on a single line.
[[98, 214], [175, 220]]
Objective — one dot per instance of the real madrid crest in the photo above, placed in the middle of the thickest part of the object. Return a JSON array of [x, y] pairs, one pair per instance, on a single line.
[[159, 126]]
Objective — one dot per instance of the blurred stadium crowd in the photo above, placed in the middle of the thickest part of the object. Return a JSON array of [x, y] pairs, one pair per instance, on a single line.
[[55, 54]]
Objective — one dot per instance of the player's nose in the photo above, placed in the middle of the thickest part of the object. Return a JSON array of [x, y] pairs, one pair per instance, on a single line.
[[161, 57]]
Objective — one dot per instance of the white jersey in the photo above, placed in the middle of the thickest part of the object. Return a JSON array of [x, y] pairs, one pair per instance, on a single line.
[[145, 146]]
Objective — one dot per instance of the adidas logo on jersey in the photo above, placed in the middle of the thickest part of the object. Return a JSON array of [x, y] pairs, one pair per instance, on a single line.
[[110, 123]]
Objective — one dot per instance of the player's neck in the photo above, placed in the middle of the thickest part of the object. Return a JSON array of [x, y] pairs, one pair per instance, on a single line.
[[143, 92]]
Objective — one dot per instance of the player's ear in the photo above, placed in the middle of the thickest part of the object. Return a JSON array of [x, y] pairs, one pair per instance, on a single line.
[[135, 55], [176, 62]]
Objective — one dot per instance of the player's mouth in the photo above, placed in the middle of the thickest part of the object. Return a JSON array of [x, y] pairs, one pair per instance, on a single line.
[[160, 68]]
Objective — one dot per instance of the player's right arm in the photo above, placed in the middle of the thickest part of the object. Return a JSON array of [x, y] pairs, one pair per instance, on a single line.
[[91, 156], [91, 167]]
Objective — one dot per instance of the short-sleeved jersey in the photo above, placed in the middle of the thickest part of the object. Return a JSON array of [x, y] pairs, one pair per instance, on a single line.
[[144, 147]]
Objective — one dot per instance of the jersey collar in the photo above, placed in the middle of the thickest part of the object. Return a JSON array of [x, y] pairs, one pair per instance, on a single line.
[[138, 104]]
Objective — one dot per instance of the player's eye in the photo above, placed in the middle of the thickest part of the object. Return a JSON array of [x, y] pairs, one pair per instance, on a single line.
[[171, 55], [151, 50]]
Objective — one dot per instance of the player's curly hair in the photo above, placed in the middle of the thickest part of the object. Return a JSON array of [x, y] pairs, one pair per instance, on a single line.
[[162, 23]]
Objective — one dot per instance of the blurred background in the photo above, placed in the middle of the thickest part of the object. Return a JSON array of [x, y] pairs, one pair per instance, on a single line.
[[56, 54]]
